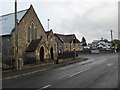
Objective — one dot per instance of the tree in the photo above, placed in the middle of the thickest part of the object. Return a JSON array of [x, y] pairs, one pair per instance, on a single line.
[[105, 40], [116, 43], [84, 42]]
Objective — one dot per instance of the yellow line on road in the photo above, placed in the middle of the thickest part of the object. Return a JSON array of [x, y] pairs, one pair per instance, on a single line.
[[25, 74]]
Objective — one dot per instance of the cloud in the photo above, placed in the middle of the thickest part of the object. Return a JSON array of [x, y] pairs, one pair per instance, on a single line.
[[92, 19], [95, 22]]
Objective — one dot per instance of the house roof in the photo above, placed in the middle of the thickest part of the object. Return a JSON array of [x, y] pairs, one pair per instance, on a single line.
[[8, 22], [58, 38], [33, 45], [67, 38], [7, 35], [77, 40]]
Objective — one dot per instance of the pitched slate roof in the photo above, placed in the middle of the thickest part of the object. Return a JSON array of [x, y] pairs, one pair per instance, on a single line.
[[77, 41], [67, 38], [8, 22], [33, 45], [58, 38]]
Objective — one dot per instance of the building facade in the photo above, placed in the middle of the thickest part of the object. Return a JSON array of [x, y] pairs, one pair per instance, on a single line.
[[65, 43], [6, 45], [33, 41], [101, 44]]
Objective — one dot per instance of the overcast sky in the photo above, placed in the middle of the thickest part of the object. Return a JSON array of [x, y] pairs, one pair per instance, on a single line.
[[92, 19]]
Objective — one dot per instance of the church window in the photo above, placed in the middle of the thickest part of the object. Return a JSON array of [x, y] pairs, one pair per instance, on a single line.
[[32, 31], [35, 33], [28, 34]]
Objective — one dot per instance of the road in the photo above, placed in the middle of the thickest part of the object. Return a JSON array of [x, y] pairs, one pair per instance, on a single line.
[[99, 71]]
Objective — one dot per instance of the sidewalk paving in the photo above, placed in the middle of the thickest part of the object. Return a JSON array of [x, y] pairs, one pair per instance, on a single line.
[[61, 61], [32, 68]]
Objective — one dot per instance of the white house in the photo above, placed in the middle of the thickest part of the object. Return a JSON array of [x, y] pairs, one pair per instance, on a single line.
[[101, 44]]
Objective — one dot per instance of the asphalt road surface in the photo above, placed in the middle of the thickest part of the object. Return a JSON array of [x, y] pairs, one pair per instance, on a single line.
[[99, 71]]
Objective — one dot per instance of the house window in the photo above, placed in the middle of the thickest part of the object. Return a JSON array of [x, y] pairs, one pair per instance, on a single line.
[[28, 34]]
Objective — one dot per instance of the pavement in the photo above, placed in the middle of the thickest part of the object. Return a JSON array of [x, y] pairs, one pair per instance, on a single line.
[[61, 62], [99, 71], [40, 67]]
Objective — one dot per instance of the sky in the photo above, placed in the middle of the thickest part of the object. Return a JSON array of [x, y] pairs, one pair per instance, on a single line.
[[92, 19]]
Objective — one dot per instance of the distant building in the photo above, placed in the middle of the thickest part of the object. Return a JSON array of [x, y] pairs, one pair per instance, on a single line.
[[33, 41], [60, 43], [101, 44], [65, 42], [94, 44]]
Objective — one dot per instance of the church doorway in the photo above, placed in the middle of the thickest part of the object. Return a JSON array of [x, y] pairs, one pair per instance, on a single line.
[[42, 53], [51, 53]]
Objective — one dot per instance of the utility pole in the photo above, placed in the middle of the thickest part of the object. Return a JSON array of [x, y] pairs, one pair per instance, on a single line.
[[111, 35], [48, 24], [16, 37]]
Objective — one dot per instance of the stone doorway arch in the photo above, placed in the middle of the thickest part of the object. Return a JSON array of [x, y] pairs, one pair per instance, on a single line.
[[42, 53]]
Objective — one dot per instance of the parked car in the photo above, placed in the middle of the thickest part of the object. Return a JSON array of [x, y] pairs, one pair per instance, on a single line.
[[96, 51]]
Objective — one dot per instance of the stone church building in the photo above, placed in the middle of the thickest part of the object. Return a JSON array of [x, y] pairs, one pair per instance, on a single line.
[[34, 43]]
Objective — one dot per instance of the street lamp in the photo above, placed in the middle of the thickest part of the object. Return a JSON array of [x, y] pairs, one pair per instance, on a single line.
[[74, 41], [48, 23]]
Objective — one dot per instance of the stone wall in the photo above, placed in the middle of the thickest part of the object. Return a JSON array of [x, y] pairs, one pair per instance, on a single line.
[[52, 44], [6, 45], [28, 19]]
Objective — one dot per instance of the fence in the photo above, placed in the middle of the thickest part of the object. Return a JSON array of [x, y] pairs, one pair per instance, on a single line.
[[107, 51], [87, 51], [30, 60], [67, 54], [8, 62]]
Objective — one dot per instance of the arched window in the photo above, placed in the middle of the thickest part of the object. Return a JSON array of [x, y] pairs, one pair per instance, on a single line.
[[35, 33], [32, 31], [28, 34]]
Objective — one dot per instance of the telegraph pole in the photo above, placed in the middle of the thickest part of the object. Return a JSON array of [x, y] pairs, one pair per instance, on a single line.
[[16, 37], [48, 24]]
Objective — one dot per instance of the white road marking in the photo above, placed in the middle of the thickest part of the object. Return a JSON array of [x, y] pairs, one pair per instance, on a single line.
[[109, 64], [45, 86], [87, 61], [63, 76], [79, 72], [69, 73]]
